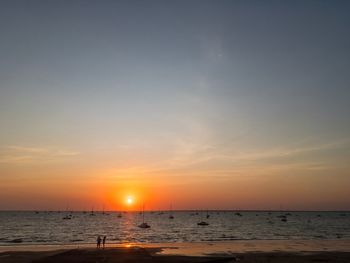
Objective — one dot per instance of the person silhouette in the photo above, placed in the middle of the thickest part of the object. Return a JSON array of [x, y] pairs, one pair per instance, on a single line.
[[104, 241], [98, 242]]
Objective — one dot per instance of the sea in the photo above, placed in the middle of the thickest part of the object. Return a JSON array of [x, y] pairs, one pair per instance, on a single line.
[[49, 227]]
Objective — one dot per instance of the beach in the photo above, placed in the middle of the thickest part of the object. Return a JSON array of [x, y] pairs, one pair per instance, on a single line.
[[245, 237], [247, 251], [174, 131]]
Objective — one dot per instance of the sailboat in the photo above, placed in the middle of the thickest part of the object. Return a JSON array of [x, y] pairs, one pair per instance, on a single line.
[[103, 211], [68, 216], [171, 212], [144, 224], [282, 216], [203, 223], [92, 212]]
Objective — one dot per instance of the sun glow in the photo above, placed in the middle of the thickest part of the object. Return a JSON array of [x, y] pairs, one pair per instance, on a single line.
[[129, 200]]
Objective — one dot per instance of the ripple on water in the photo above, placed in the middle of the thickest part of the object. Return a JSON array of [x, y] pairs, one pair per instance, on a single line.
[[49, 227]]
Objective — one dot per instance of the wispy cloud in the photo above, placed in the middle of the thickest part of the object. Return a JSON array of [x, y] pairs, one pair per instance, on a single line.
[[15, 154], [286, 151], [207, 158], [26, 149]]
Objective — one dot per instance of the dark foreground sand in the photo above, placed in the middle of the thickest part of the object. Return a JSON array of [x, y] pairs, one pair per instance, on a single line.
[[146, 255]]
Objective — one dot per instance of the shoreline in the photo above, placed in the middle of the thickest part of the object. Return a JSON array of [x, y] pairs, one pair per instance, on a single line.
[[150, 254], [203, 248]]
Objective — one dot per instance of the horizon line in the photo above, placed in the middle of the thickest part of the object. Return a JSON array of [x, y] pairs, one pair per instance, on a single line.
[[178, 210]]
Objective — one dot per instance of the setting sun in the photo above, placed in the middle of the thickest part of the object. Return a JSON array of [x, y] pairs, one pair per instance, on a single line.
[[186, 130], [129, 200]]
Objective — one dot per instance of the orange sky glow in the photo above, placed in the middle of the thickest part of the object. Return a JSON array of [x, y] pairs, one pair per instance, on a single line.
[[194, 104]]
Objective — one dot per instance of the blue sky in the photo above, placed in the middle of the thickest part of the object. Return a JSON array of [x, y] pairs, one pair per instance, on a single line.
[[218, 89]]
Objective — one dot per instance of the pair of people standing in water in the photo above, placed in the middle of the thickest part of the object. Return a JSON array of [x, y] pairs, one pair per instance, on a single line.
[[99, 239]]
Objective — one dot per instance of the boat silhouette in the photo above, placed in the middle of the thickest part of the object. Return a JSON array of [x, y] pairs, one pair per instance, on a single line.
[[203, 223], [171, 212], [68, 215], [92, 212], [144, 224]]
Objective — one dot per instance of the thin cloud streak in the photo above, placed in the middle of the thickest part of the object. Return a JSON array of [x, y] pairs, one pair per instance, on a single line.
[[15, 154], [200, 160], [208, 153]]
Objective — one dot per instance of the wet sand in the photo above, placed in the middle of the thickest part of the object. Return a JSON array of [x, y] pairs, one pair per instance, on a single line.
[[242, 251], [205, 248], [148, 255]]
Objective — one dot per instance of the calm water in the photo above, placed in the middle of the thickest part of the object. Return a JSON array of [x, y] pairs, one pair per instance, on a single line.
[[50, 228]]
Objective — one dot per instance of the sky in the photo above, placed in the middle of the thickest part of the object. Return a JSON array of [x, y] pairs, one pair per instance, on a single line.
[[198, 104]]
